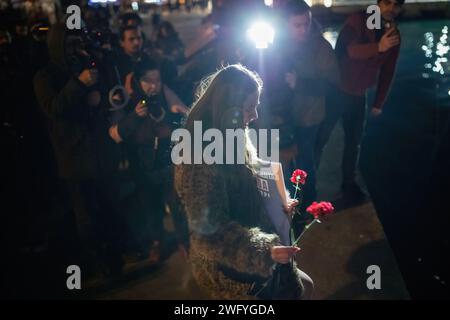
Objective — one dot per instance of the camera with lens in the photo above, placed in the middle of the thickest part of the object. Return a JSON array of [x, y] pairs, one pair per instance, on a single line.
[[159, 113], [99, 37], [154, 105], [89, 47], [153, 102], [91, 51]]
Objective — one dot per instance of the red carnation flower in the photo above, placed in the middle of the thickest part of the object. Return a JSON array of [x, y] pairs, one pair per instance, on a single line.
[[299, 176], [318, 209]]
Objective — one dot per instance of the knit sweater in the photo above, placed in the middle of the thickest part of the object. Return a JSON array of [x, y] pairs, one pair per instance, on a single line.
[[216, 239]]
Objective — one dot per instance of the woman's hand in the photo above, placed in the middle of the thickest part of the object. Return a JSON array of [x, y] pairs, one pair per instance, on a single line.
[[283, 254], [290, 208]]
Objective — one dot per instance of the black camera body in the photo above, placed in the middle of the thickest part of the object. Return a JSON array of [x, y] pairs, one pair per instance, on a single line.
[[154, 105], [156, 109], [92, 47], [153, 102], [90, 50]]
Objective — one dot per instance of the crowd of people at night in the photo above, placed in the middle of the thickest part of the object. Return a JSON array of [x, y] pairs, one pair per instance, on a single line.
[[90, 115]]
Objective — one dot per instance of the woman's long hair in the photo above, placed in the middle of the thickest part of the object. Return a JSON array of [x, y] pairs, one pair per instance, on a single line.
[[222, 93], [219, 104], [220, 99]]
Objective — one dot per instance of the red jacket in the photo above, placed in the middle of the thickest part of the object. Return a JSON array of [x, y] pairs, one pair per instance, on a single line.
[[360, 63]]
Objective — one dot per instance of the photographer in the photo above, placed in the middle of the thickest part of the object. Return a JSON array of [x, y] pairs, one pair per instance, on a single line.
[[145, 127], [132, 50], [66, 91]]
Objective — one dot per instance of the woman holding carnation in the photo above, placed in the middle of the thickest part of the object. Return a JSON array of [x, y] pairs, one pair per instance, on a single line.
[[233, 243]]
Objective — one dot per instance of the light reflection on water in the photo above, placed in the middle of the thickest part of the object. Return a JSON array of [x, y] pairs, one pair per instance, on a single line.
[[439, 60]]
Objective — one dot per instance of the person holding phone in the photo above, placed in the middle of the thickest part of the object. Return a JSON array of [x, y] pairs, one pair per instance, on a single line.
[[68, 92], [367, 57], [143, 128]]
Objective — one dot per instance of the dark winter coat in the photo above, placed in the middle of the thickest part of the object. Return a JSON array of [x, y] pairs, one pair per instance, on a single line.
[[79, 132], [316, 67]]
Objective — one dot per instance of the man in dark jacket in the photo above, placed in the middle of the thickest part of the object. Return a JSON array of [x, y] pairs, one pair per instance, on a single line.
[[133, 50], [130, 51], [67, 92], [298, 82]]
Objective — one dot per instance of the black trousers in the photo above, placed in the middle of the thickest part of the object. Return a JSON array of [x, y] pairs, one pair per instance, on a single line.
[[147, 224], [352, 110], [306, 141], [100, 227]]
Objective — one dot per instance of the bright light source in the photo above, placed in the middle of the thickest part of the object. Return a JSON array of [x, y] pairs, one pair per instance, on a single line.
[[262, 34], [101, 1], [328, 3], [268, 3], [308, 2], [135, 6]]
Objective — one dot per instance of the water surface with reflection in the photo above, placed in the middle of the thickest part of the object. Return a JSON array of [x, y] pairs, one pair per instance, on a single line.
[[423, 68]]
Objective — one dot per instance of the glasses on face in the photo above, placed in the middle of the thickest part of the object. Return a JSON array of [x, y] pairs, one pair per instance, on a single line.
[[150, 80]]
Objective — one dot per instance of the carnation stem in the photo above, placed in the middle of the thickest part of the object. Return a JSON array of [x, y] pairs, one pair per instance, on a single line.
[[296, 188], [303, 232]]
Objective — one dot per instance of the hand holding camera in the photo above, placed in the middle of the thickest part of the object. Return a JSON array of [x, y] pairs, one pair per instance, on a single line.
[[88, 77]]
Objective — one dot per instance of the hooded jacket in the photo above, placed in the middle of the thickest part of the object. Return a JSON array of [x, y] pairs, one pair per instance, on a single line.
[[79, 132]]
